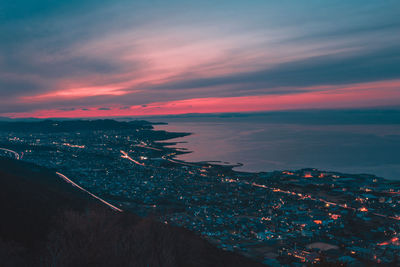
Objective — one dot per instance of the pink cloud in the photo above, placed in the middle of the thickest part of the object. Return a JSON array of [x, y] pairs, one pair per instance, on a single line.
[[373, 94], [76, 93]]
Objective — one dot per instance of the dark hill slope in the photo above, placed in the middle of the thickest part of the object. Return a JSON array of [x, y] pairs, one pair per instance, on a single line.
[[30, 198], [47, 222]]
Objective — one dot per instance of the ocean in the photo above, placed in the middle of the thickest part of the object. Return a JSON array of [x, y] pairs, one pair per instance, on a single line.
[[261, 142]]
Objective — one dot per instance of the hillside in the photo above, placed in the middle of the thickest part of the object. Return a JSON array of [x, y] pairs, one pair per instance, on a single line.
[[48, 222]]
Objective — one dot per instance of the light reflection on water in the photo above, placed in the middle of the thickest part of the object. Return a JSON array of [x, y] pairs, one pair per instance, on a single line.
[[264, 146]]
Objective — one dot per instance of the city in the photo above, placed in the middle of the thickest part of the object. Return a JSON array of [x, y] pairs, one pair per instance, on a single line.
[[280, 217]]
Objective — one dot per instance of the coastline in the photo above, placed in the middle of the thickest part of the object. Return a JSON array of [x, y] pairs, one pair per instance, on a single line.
[[268, 147], [252, 213]]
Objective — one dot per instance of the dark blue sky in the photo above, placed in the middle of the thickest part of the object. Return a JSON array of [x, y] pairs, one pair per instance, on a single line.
[[88, 58]]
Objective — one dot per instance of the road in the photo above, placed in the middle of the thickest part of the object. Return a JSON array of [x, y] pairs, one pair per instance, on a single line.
[[16, 155], [83, 189], [306, 196], [65, 178], [126, 156], [148, 147]]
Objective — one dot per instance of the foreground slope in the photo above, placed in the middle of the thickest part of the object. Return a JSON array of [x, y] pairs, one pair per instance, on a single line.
[[47, 222]]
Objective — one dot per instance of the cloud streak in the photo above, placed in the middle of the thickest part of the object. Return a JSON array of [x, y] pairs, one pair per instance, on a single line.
[[325, 97], [82, 56]]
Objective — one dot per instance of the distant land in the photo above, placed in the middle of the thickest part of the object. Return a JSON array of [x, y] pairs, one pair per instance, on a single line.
[[312, 116]]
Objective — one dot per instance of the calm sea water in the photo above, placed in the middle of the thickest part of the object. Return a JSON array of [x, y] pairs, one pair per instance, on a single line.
[[266, 146]]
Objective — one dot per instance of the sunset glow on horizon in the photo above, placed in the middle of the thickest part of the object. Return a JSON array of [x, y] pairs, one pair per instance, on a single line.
[[331, 99]]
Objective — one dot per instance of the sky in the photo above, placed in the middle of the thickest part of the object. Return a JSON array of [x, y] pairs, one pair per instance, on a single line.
[[120, 58]]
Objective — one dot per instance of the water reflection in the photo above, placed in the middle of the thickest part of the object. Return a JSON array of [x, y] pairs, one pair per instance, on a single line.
[[269, 146]]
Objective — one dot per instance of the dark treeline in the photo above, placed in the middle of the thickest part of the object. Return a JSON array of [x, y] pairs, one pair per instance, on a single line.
[[50, 126]]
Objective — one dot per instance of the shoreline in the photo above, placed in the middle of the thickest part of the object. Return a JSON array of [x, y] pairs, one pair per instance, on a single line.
[[253, 213], [196, 151]]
